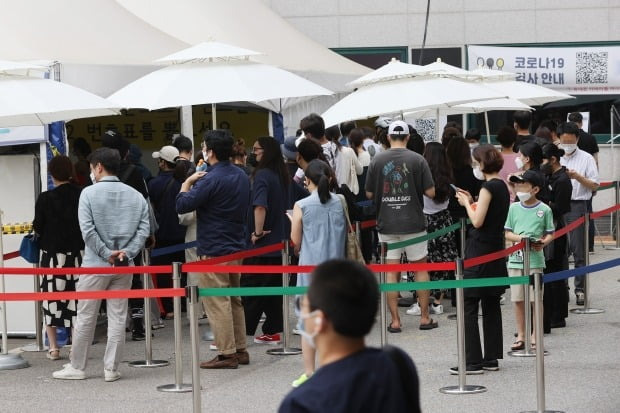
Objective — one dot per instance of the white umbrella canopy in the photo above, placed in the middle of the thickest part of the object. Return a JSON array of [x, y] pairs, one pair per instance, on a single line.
[[440, 68], [492, 74], [406, 95], [471, 107], [208, 51], [527, 93], [393, 70], [30, 101]]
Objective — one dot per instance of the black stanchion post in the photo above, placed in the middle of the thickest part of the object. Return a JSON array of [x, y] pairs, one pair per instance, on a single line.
[[177, 386], [285, 350], [383, 302], [463, 387], [527, 351], [540, 347], [586, 279], [148, 345], [193, 303]]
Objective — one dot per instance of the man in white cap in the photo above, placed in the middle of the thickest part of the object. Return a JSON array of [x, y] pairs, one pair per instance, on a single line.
[[396, 181], [163, 190]]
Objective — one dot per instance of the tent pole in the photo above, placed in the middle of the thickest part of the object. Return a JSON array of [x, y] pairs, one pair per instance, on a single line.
[[214, 116], [486, 122], [187, 123], [437, 124]]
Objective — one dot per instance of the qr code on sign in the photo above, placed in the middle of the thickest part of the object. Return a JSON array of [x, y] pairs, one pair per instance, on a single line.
[[426, 129], [591, 67]]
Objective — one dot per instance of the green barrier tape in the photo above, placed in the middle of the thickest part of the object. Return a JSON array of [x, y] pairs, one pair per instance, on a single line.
[[603, 188], [411, 286], [417, 240]]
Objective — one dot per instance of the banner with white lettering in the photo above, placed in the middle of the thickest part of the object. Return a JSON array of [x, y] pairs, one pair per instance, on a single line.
[[572, 70]]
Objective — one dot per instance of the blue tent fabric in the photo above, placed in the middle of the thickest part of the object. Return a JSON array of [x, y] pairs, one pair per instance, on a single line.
[[56, 145]]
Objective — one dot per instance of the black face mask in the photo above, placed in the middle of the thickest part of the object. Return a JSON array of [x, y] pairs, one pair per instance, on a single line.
[[252, 160], [547, 169]]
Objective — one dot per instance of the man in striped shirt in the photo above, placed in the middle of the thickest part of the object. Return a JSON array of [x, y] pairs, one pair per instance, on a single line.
[[581, 168]]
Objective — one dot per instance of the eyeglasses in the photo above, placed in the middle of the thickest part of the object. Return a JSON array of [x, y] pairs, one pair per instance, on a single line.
[[256, 149]]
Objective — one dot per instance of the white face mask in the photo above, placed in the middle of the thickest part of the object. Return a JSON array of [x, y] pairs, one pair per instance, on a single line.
[[519, 163], [92, 177], [304, 334], [478, 173], [204, 155], [524, 196], [473, 146], [569, 148]]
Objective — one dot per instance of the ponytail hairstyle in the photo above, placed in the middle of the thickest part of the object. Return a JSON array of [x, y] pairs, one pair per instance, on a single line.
[[319, 173]]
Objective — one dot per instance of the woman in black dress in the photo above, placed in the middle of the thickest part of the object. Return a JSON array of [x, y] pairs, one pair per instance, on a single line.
[[487, 236], [60, 239]]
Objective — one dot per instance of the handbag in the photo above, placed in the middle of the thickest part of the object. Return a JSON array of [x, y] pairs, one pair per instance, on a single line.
[[352, 246], [29, 248]]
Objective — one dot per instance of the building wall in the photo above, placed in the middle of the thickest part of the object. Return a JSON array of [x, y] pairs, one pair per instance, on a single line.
[[368, 23]]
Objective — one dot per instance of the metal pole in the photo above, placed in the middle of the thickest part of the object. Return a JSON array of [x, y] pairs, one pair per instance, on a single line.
[[463, 387], [213, 117], [148, 360], [486, 122], [527, 351], [285, 350], [193, 304], [7, 361], [616, 216], [382, 301], [540, 347], [178, 386], [463, 231], [586, 301], [38, 322], [358, 231]]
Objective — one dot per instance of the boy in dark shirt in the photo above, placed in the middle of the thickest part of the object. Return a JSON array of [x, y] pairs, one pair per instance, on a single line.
[[338, 311]]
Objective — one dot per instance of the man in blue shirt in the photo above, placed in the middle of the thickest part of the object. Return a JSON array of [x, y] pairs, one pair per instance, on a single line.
[[338, 311], [221, 199]]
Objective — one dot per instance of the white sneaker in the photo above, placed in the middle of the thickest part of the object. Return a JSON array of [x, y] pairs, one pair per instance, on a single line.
[[69, 373], [111, 375], [212, 347], [435, 309], [502, 300], [158, 325], [296, 332], [414, 309]]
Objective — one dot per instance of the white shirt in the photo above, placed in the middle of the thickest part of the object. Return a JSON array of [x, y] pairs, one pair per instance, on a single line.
[[584, 164], [368, 143], [431, 207], [347, 169]]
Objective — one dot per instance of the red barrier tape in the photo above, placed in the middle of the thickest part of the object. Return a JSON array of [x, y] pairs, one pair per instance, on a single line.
[[11, 255], [561, 232], [280, 269], [236, 256], [93, 295], [161, 269], [609, 210], [368, 224], [472, 262]]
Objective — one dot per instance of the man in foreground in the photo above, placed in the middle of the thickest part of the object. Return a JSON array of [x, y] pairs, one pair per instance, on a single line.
[[114, 221], [338, 311]]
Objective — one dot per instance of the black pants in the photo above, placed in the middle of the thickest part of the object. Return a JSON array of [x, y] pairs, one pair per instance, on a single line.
[[271, 305], [165, 280], [136, 284], [555, 296], [491, 327]]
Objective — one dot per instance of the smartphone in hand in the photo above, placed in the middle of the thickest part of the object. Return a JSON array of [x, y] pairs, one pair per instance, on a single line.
[[124, 262]]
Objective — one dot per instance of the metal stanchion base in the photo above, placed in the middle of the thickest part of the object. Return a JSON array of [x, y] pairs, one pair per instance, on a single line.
[[523, 353], [288, 351], [32, 348], [467, 389], [587, 310], [544, 411], [173, 388], [146, 363], [12, 362]]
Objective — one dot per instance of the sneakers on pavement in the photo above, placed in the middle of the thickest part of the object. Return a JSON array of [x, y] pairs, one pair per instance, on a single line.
[[490, 365], [268, 339], [470, 369], [111, 375], [414, 309], [435, 309], [69, 373], [502, 300], [300, 380], [158, 324], [580, 298], [212, 347], [221, 362]]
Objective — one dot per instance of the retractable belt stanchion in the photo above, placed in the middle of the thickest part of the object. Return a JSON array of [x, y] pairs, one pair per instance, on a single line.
[[586, 278], [527, 350], [177, 386], [463, 387], [463, 231], [7, 361], [540, 347], [285, 350], [148, 361], [38, 320], [616, 215], [382, 300], [193, 303]]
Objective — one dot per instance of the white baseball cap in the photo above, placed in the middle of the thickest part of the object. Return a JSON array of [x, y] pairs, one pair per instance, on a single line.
[[167, 153], [398, 127]]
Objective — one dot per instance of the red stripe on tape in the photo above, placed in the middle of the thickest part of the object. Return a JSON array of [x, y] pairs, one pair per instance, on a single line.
[[11, 255], [160, 269], [483, 259], [609, 210], [93, 295], [561, 232], [281, 269], [235, 256]]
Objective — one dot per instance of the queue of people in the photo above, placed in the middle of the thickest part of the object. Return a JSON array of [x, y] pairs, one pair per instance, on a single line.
[[302, 190]]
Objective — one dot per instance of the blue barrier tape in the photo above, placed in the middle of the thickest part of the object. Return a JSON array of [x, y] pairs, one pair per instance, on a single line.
[[364, 203], [563, 275], [173, 248]]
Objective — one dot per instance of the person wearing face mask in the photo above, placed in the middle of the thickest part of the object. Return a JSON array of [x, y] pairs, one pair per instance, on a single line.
[[318, 230], [555, 298], [528, 218], [472, 136], [338, 311], [485, 237], [506, 137], [529, 159], [581, 169]]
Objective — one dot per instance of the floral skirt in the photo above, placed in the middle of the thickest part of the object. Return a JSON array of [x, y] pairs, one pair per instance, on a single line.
[[442, 249]]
